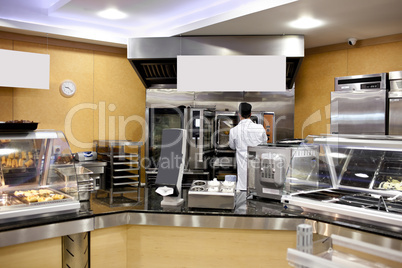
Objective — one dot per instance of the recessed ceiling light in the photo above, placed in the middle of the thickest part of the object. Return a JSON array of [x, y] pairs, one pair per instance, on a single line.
[[306, 23], [112, 14]]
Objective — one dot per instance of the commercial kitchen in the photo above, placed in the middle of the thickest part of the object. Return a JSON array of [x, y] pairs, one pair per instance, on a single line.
[[83, 175]]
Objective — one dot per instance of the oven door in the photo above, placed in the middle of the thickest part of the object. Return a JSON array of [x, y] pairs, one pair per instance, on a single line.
[[224, 122], [201, 130], [158, 120]]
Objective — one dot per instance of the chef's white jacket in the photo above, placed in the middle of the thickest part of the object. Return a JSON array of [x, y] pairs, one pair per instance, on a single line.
[[246, 133]]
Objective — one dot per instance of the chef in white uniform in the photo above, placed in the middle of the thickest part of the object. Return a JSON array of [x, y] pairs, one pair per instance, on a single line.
[[246, 133]]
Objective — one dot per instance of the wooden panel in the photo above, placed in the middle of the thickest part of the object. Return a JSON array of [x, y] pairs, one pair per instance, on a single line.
[[119, 93], [314, 84], [108, 247], [152, 246], [315, 80], [359, 44], [121, 99], [49, 107], [375, 59], [61, 43], [6, 93], [44, 253]]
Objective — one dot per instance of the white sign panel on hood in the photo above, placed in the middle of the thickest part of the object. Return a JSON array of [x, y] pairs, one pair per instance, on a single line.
[[231, 73]]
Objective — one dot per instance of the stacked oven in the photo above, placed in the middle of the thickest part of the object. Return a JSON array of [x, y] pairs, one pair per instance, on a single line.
[[208, 118], [225, 158]]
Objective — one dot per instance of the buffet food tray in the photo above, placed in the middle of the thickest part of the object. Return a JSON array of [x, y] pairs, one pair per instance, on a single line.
[[33, 197], [353, 205], [14, 205], [212, 194]]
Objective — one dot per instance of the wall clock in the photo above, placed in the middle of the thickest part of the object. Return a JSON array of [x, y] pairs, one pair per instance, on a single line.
[[68, 88]]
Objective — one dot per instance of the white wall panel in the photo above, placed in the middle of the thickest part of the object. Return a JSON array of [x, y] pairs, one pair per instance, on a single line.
[[24, 69]]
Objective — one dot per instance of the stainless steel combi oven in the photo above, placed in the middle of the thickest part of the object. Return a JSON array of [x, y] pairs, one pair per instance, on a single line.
[[201, 127], [158, 120], [225, 158]]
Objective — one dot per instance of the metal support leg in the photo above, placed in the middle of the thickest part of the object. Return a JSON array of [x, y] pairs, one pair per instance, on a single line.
[[76, 250]]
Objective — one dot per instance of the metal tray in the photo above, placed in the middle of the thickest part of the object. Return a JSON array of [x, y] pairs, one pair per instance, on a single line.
[[66, 198], [18, 127]]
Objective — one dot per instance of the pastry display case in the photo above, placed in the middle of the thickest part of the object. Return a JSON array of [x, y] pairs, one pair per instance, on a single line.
[[356, 177], [29, 183]]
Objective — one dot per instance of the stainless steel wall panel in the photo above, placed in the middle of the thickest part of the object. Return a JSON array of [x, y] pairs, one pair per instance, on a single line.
[[288, 45], [153, 48], [171, 47], [395, 112], [168, 98]]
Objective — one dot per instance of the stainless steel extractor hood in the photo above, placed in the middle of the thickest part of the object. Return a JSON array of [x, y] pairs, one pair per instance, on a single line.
[[155, 59]]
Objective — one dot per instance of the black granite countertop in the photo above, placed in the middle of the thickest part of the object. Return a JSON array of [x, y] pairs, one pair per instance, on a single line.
[[150, 202]]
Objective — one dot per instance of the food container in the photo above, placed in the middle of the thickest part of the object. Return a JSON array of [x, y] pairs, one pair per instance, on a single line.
[[85, 182], [212, 194]]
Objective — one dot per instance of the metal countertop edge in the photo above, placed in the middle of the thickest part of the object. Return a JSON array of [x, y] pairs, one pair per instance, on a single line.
[[203, 221], [52, 230], [46, 231]]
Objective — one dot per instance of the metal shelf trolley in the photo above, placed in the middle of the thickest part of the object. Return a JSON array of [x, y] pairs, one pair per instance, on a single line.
[[123, 171]]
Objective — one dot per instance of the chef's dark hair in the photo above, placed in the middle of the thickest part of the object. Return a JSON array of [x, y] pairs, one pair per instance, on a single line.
[[245, 109]]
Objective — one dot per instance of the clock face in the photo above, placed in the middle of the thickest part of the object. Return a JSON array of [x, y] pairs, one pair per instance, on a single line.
[[68, 88]]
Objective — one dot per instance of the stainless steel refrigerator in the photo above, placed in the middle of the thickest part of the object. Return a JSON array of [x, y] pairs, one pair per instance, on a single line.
[[359, 105]]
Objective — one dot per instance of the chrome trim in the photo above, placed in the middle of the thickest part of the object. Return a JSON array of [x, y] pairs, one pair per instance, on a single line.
[[171, 47], [25, 235], [155, 59], [112, 220], [329, 229], [204, 221]]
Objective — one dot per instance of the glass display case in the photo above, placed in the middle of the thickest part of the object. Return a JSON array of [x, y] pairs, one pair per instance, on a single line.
[[351, 176], [30, 183]]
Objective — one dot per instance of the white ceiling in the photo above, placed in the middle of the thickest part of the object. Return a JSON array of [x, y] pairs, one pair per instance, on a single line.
[[79, 20]]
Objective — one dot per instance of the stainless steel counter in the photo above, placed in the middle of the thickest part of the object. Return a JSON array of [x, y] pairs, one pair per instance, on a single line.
[[254, 214]]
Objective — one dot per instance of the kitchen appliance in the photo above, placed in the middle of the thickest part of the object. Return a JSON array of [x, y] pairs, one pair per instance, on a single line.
[[225, 158], [201, 137], [354, 177], [274, 110], [267, 168], [170, 172], [212, 194], [158, 119], [395, 80], [155, 59], [395, 103], [85, 156], [269, 126], [30, 185], [359, 104]]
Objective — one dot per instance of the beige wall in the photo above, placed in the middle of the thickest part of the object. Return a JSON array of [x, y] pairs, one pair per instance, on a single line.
[[315, 80], [37, 254], [110, 98], [105, 79], [163, 246]]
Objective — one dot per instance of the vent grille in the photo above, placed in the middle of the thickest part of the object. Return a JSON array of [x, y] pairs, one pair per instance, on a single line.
[[156, 71], [164, 71]]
